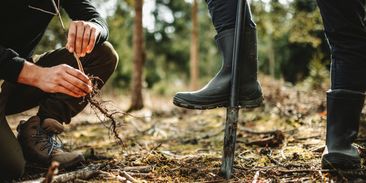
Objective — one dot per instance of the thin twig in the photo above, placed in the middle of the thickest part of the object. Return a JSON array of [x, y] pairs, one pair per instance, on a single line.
[[128, 176], [256, 176], [58, 14], [84, 174], [306, 138], [110, 175], [138, 168], [42, 10], [52, 171]]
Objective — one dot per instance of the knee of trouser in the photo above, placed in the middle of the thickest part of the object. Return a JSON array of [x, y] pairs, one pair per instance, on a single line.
[[18, 169], [108, 53]]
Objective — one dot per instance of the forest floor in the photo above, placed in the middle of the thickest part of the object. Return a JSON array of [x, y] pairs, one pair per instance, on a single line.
[[282, 141]]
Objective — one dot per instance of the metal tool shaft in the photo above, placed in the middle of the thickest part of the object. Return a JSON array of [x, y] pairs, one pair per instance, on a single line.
[[233, 109]]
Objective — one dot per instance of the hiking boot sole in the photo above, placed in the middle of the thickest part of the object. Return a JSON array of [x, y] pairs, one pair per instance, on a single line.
[[73, 163]]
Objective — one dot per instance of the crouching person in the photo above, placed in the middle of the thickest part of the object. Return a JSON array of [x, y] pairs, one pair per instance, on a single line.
[[344, 23], [50, 81]]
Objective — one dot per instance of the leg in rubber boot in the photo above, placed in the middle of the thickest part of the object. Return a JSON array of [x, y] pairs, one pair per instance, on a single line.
[[216, 92], [343, 115], [344, 26]]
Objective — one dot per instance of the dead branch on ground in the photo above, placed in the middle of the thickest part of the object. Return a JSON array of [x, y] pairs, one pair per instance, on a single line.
[[52, 171]]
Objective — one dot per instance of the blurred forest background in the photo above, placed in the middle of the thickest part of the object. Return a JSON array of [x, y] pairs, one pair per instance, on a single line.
[[172, 43]]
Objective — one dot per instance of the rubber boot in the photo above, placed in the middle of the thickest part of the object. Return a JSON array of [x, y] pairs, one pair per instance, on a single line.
[[216, 93], [343, 116]]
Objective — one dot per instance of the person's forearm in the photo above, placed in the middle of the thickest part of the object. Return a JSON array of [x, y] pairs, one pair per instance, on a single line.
[[29, 74]]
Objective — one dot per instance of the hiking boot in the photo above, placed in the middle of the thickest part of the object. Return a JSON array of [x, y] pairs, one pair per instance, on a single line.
[[343, 116], [41, 144], [217, 92]]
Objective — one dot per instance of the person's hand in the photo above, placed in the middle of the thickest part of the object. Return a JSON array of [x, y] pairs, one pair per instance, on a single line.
[[82, 37], [58, 79]]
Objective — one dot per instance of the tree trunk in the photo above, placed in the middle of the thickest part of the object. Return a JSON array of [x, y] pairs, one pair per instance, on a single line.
[[194, 55], [271, 57], [138, 60]]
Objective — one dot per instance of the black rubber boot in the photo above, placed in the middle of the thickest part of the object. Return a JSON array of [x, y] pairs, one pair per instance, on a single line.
[[216, 93], [343, 116]]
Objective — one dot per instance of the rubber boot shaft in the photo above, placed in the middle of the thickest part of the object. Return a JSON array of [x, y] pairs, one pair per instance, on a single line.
[[216, 92], [343, 116]]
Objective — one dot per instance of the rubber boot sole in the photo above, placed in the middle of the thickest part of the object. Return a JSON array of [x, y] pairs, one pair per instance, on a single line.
[[340, 161], [253, 103]]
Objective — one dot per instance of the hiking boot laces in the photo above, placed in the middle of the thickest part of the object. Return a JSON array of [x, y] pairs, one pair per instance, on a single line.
[[50, 141]]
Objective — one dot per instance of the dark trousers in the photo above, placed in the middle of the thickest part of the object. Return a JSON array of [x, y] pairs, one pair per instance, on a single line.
[[223, 14], [16, 98], [344, 23]]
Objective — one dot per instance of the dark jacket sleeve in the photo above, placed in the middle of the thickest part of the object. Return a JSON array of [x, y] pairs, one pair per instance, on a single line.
[[10, 64], [84, 10]]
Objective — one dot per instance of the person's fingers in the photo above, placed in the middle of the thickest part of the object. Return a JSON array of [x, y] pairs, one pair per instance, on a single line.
[[79, 37], [62, 89], [69, 82], [84, 84], [71, 37], [86, 38], [76, 73], [75, 84], [92, 41]]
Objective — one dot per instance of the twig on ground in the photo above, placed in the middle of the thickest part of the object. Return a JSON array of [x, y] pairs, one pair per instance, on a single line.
[[52, 171], [251, 131], [306, 138], [215, 181], [241, 168], [275, 161], [256, 176], [138, 168], [318, 149], [299, 170], [148, 175], [114, 177], [283, 149], [84, 174], [128, 176]]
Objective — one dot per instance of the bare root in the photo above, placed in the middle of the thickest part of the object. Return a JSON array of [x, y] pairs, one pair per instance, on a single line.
[[99, 108]]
